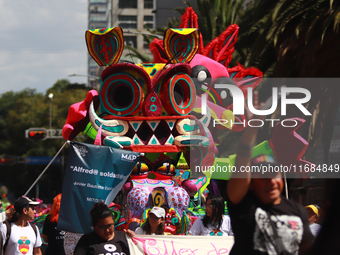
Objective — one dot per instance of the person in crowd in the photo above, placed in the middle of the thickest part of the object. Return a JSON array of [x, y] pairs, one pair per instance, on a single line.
[[50, 234], [155, 223], [214, 222], [313, 214], [263, 221], [24, 237], [7, 214], [103, 239]]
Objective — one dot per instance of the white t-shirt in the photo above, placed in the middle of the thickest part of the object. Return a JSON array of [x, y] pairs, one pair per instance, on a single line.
[[315, 228], [198, 229], [22, 239], [140, 231], [3, 216]]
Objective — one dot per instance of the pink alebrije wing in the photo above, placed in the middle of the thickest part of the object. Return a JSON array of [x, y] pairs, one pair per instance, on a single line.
[[105, 45], [77, 117], [137, 200], [289, 146]]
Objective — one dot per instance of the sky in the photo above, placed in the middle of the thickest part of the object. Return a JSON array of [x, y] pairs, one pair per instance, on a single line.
[[41, 42]]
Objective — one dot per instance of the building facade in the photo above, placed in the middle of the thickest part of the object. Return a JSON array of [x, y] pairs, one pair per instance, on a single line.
[[166, 9], [134, 17], [98, 17]]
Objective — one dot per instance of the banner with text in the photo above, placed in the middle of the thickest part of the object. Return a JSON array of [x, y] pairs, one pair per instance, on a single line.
[[92, 173], [180, 245]]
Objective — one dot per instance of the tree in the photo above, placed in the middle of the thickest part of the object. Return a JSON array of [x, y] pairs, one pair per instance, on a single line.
[[293, 38], [214, 16], [25, 109]]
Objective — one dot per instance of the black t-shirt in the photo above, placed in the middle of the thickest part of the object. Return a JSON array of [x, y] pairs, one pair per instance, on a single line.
[[92, 244], [268, 229], [55, 238]]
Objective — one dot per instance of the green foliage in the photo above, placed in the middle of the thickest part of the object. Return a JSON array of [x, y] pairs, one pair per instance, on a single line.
[[26, 109], [214, 16], [306, 16], [265, 25]]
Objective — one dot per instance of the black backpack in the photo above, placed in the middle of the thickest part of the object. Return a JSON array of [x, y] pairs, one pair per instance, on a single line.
[[8, 234]]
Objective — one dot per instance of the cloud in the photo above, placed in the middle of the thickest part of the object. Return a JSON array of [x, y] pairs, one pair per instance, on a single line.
[[41, 42]]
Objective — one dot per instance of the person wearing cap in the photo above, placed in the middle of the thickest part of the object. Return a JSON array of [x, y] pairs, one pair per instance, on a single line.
[[103, 239], [313, 214], [214, 222], [23, 238], [263, 221], [155, 223]]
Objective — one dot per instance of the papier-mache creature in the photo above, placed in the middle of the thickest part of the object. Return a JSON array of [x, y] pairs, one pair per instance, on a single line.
[[156, 108]]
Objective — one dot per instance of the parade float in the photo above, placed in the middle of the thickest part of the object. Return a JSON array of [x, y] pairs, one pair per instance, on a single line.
[[169, 111]]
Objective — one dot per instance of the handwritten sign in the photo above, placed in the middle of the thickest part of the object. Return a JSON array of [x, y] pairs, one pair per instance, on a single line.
[[180, 245]]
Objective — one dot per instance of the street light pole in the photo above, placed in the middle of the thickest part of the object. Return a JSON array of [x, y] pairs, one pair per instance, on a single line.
[[84, 75], [96, 79], [50, 96]]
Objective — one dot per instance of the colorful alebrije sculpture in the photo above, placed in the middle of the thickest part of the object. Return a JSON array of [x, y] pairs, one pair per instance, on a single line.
[[155, 108]]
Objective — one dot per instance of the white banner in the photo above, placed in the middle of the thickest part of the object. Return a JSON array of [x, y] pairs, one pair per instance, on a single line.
[[180, 245]]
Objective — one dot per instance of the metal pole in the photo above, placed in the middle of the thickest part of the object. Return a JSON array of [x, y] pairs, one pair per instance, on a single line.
[[37, 190], [50, 96], [51, 114], [62, 147], [286, 186]]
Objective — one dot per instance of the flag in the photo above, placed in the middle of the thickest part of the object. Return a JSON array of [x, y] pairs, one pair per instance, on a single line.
[[92, 173]]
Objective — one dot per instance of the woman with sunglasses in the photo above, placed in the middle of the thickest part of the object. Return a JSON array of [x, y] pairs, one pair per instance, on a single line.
[[214, 222], [154, 224], [103, 239]]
